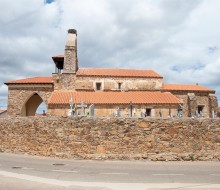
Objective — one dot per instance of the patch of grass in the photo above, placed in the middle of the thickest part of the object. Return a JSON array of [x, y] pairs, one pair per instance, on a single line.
[[192, 157]]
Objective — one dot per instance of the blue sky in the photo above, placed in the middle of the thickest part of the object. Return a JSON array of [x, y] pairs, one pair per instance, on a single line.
[[49, 1], [177, 38]]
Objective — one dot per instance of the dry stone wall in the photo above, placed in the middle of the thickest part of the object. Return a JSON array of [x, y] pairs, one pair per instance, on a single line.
[[112, 138]]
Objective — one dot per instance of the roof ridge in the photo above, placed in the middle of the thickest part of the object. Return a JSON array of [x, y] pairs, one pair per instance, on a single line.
[[116, 68], [34, 77], [181, 84]]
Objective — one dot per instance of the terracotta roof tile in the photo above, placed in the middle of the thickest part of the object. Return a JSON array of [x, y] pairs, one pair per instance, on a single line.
[[185, 87], [108, 72], [117, 73], [40, 80], [137, 97]]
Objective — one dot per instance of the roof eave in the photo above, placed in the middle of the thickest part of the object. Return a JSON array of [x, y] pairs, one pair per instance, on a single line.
[[207, 91], [153, 103], [8, 83]]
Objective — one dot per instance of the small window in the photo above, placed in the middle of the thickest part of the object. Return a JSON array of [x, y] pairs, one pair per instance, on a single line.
[[119, 85], [200, 109], [148, 112], [98, 86]]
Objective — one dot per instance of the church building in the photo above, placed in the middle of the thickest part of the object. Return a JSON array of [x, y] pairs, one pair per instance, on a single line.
[[106, 92]]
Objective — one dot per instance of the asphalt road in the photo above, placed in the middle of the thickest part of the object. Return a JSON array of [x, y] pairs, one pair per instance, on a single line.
[[26, 172]]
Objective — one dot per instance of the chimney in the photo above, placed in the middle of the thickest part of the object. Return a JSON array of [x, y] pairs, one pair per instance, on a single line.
[[70, 56]]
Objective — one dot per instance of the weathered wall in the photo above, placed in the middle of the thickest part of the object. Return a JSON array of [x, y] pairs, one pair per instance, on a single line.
[[57, 81], [158, 110], [68, 81], [192, 103], [18, 95], [213, 100], [64, 81], [112, 138], [70, 57], [192, 100], [111, 83], [183, 97]]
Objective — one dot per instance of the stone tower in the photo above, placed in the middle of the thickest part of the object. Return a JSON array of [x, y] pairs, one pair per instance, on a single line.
[[70, 56], [70, 63]]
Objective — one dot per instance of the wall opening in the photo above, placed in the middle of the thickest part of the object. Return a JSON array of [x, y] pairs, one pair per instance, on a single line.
[[200, 109], [119, 85], [31, 105], [148, 112], [98, 86], [42, 109]]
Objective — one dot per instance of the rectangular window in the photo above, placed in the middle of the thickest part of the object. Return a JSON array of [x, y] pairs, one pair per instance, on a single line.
[[200, 110], [98, 85], [148, 112], [119, 85]]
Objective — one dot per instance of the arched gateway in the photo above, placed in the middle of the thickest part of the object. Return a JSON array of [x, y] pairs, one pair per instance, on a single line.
[[25, 95], [31, 105]]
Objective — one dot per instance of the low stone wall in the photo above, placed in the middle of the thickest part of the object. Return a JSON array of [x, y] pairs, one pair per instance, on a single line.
[[112, 138]]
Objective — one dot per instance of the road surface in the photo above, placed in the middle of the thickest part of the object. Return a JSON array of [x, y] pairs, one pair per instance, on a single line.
[[26, 172]]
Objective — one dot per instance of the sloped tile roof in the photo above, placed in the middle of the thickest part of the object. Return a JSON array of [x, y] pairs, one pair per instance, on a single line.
[[35, 80], [104, 72], [137, 97], [108, 72], [185, 87]]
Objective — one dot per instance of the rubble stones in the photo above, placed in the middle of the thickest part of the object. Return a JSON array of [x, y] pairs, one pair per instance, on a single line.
[[112, 138]]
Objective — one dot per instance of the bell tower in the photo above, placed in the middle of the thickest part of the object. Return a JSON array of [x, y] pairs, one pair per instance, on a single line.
[[70, 56]]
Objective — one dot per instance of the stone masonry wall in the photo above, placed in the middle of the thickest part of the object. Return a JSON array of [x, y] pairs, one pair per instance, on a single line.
[[213, 103], [112, 138], [19, 95], [191, 101], [111, 83], [184, 100], [68, 81]]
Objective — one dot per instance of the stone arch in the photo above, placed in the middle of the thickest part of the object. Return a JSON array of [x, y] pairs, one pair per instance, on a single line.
[[31, 104]]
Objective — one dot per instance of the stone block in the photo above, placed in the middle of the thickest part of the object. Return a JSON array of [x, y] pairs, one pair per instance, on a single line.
[[150, 138], [144, 125], [101, 149]]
